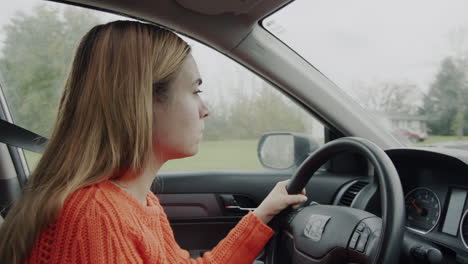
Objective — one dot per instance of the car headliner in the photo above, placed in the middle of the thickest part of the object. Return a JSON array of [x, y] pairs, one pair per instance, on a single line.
[[233, 28]]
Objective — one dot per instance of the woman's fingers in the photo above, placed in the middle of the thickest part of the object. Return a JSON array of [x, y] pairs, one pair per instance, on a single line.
[[277, 200], [296, 199]]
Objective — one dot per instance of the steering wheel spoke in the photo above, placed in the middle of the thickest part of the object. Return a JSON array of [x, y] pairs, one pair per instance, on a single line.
[[321, 232]]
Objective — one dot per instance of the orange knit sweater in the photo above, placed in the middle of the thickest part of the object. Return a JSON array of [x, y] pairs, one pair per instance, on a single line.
[[105, 224]]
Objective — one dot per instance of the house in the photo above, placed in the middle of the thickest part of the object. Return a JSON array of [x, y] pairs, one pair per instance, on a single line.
[[412, 127]]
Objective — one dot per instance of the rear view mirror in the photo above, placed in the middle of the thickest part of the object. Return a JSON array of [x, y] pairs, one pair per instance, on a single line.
[[284, 150]]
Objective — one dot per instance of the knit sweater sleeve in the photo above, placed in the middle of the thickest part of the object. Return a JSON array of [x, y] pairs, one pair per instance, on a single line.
[[242, 245]]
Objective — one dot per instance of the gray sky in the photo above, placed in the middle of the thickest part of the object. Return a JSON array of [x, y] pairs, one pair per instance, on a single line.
[[375, 41]]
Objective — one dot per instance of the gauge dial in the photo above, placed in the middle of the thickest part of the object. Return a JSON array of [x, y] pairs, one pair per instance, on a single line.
[[422, 210]]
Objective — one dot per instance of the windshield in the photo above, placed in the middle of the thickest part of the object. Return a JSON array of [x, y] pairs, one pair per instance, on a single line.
[[404, 61]]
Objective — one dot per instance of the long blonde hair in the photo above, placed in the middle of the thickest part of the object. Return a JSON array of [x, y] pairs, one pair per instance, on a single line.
[[104, 123]]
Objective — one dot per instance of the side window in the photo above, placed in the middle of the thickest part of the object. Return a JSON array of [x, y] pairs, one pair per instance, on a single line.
[[242, 107], [37, 43], [39, 38]]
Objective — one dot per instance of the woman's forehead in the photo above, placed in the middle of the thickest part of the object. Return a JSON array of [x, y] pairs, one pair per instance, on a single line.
[[188, 73]]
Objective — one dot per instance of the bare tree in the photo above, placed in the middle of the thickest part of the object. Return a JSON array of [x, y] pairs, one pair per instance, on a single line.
[[403, 97]]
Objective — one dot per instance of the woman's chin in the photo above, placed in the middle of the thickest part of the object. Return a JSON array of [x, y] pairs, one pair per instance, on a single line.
[[187, 153]]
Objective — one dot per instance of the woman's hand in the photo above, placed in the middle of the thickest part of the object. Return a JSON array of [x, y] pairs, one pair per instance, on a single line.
[[277, 200]]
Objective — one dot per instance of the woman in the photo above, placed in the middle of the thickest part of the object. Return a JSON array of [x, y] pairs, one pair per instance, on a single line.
[[130, 104]]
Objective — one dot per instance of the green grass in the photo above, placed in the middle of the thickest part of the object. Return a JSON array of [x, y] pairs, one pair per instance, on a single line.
[[220, 155], [212, 155], [439, 139]]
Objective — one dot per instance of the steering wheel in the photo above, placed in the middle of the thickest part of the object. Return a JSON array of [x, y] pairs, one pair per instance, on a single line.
[[334, 234]]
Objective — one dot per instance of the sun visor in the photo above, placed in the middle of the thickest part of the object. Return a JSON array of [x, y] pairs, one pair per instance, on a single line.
[[218, 7]]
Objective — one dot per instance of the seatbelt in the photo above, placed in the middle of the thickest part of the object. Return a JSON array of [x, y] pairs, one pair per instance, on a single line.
[[14, 135]]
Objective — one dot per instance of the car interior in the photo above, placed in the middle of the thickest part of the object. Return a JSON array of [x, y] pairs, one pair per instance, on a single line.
[[371, 198]]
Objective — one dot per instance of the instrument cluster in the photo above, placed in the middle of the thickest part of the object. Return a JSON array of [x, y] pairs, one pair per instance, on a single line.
[[425, 213]]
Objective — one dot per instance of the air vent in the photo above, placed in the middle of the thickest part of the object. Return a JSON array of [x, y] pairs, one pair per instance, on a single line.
[[349, 195]]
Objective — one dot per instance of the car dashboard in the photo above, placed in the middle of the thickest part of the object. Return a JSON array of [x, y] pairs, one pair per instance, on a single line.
[[435, 185]]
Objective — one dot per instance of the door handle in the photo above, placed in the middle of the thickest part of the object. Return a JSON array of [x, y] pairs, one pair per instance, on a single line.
[[231, 204], [236, 207]]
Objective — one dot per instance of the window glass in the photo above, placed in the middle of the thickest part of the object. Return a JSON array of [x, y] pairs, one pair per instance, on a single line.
[[38, 40], [406, 62], [242, 108]]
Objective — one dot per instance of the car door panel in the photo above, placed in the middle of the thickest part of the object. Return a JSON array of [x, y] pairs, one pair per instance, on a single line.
[[255, 185], [195, 203], [190, 205]]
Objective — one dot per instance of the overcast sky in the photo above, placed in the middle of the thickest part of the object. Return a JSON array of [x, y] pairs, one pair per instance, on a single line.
[[375, 41], [359, 41]]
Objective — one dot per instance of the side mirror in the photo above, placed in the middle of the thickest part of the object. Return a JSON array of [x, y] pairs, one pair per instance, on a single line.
[[285, 150]]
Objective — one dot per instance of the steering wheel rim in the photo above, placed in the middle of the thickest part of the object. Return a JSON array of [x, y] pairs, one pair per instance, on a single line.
[[386, 176]]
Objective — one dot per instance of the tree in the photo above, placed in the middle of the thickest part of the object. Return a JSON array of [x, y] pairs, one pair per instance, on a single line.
[[216, 125], [266, 110], [248, 107], [445, 101], [36, 58], [401, 97]]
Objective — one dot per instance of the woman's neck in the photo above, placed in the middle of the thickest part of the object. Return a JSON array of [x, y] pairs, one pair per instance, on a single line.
[[137, 184]]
